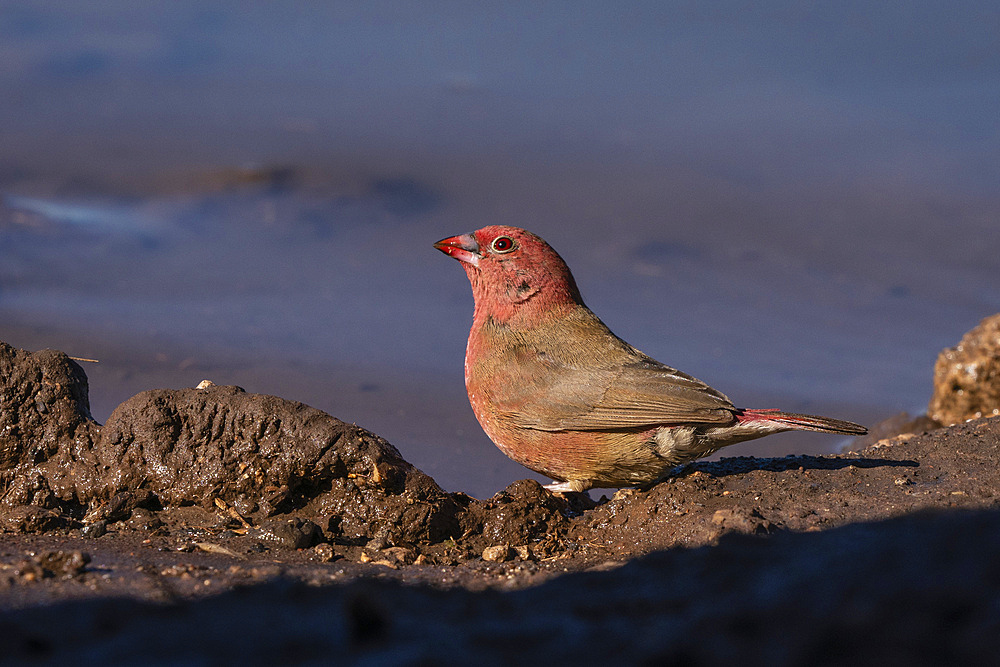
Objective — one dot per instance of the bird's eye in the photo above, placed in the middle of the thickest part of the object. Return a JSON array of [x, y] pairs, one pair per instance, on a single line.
[[503, 244]]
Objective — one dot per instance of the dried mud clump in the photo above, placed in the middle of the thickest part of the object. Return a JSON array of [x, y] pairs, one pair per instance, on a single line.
[[43, 404], [45, 424], [522, 514], [219, 448], [194, 445], [264, 455], [967, 376]]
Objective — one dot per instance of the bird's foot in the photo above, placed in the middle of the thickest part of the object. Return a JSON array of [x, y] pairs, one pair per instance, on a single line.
[[572, 486]]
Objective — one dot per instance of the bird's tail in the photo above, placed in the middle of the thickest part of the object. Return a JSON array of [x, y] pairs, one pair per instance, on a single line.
[[792, 421]]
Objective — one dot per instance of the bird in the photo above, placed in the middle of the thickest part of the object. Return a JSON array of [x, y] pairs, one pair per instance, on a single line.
[[559, 393]]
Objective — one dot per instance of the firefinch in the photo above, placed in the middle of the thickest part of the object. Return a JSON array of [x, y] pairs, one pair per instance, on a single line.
[[561, 394]]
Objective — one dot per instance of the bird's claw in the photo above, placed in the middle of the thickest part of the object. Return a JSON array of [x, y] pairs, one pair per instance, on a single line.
[[572, 486]]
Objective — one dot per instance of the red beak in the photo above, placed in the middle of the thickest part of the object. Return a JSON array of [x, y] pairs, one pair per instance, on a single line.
[[464, 248]]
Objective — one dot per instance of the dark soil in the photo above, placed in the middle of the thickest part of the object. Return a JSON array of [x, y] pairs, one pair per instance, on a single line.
[[213, 525]]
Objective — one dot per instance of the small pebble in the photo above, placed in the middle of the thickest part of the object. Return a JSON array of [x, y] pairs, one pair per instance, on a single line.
[[324, 552], [95, 529], [500, 553]]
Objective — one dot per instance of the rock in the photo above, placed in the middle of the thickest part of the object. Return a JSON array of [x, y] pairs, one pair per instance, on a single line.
[[967, 376], [94, 530], [500, 553], [294, 533], [380, 540], [399, 555], [324, 552], [523, 552]]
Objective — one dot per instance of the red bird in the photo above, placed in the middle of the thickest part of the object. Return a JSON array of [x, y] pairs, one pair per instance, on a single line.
[[561, 394]]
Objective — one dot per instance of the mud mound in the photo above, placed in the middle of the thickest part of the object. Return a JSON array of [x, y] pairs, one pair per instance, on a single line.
[[265, 455], [524, 521], [43, 404], [44, 417], [250, 455]]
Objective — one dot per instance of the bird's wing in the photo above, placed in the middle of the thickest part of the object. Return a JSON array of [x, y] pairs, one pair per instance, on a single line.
[[639, 394]]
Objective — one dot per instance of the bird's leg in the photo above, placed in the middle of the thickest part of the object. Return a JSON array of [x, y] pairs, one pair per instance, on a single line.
[[571, 486]]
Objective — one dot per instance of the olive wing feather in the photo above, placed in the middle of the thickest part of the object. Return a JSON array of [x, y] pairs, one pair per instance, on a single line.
[[640, 394]]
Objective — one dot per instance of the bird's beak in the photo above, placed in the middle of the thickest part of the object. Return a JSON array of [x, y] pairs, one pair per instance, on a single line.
[[463, 248]]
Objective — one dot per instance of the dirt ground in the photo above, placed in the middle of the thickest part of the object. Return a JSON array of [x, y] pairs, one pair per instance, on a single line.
[[213, 525]]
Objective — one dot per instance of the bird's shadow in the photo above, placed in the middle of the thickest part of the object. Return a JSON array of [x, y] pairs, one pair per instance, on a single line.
[[743, 464]]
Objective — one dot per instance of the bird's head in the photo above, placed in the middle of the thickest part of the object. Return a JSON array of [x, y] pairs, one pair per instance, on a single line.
[[513, 272]]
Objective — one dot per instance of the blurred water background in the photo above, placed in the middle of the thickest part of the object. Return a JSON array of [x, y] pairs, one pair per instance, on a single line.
[[795, 202]]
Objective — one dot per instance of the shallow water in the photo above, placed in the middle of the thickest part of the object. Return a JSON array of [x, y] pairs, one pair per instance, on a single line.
[[797, 208]]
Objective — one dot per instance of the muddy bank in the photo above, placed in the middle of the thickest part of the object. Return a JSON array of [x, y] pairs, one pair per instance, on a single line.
[[223, 504], [261, 470], [914, 590]]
